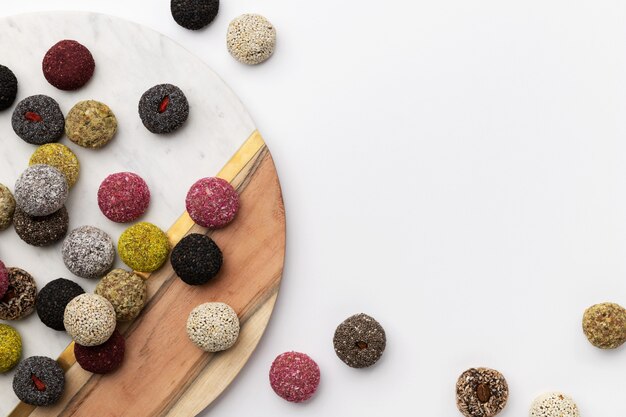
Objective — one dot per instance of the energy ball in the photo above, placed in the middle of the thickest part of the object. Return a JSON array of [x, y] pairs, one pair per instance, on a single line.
[[163, 108], [90, 124], [213, 327], [8, 87], [89, 319], [125, 291], [39, 381], [104, 358], [554, 404], [4, 279], [41, 190], [19, 299], [10, 348], [605, 325], [123, 197], [294, 376], [196, 259], [38, 120], [88, 252], [359, 341], [52, 300], [481, 392], [194, 14], [143, 247], [60, 157], [251, 39], [212, 202], [42, 230], [7, 207], [68, 65]]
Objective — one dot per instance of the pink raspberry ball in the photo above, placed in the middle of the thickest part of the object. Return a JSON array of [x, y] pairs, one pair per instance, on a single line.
[[294, 376], [212, 202], [4, 280], [123, 197]]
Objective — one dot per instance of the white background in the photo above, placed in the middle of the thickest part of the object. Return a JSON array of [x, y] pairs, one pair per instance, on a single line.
[[454, 168]]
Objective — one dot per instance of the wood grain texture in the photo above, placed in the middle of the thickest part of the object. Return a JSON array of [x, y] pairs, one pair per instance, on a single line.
[[164, 374]]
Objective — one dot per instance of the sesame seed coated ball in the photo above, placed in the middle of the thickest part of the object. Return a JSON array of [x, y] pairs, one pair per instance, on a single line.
[[41, 230], [19, 299], [38, 120], [88, 252], [294, 376], [605, 325], [90, 124], [4, 279], [251, 39], [39, 381], [213, 327], [123, 197], [89, 319], [196, 259], [212, 202], [68, 65], [163, 108], [125, 291], [60, 157], [8, 87], [104, 358], [52, 300], [7, 207], [10, 348], [143, 247], [554, 404], [41, 190]]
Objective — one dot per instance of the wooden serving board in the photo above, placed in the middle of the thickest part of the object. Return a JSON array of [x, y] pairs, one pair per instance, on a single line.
[[164, 374]]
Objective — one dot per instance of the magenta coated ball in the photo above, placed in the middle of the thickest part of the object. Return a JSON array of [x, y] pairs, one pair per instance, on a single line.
[[212, 202], [294, 376], [4, 279], [123, 197]]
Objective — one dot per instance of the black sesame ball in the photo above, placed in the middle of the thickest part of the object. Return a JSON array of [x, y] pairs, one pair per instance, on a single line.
[[163, 108], [42, 230], [194, 14], [196, 259], [52, 300], [38, 120], [39, 381], [8, 87]]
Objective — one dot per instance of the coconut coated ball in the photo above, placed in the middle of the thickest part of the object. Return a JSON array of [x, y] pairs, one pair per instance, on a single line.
[[41, 190]]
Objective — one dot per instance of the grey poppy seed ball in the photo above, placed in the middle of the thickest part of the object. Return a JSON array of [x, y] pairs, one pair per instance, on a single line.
[[39, 381], [89, 319], [41, 190], [251, 39], [88, 252], [38, 120]]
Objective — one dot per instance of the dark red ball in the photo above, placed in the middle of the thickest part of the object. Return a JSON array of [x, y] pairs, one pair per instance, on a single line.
[[104, 358], [68, 65]]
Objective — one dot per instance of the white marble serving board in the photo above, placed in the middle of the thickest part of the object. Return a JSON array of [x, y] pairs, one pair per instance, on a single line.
[[129, 59]]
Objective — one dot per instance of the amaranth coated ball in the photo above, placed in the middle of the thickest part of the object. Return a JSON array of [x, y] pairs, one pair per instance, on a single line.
[[163, 108], [10, 348], [294, 376], [123, 197], [212, 202], [38, 120], [68, 65], [90, 124], [143, 247], [4, 279], [41, 230], [59, 156], [359, 341], [7, 207], [251, 39], [89, 319], [554, 404], [605, 325], [88, 252], [481, 392], [125, 291], [8, 87], [52, 300], [41, 190], [19, 299], [104, 358], [213, 327], [39, 381], [196, 259]]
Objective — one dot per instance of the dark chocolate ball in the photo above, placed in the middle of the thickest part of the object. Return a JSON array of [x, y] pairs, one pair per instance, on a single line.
[[196, 259], [8, 87], [38, 120], [104, 358], [52, 300], [41, 230], [163, 108], [194, 14], [39, 381]]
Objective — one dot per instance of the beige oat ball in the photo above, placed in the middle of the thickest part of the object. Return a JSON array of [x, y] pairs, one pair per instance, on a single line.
[[125, 291], [605, 325], [7, 207], [554, 404], [251, 39], [89, 319], [213, 327]]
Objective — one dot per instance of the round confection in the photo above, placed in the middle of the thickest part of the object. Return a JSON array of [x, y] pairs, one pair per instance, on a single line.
[[213, 327], [7, 207], [605, 325], [41, 190], [143, 247], [481, 392], [8, 87], [196, 259], [88, 252], [4, 279], [42, 230], [194, 14], [163, 108], [294, 376], [251, 39], [212, 202], [52, 300], [89, 319], [123, 197], [359, 341], [554, 404], [19, 299], [38, 120], [90, 124], [59, 156], [68, 65], [39, 381], [10, 348], [125, 291], [104, 358]]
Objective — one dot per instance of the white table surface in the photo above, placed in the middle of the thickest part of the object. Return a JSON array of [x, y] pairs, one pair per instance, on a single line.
[[455, 169]]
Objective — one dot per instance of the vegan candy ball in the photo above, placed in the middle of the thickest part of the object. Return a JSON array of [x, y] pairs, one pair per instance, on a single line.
[[213, 327], [196, 259], [125, 291], [104, 358], [7, 207], [38, 120], [88, 252], [123, 197], [8, 87], [251, 39], [481, 392], [10, 348], [212, 202], [294, 376], [52, 300], [89, 319], [41, 190], [39, 381], [60, 157], [194, 14], [68, 65], [19, 299], [143, 247], [163, 108]]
